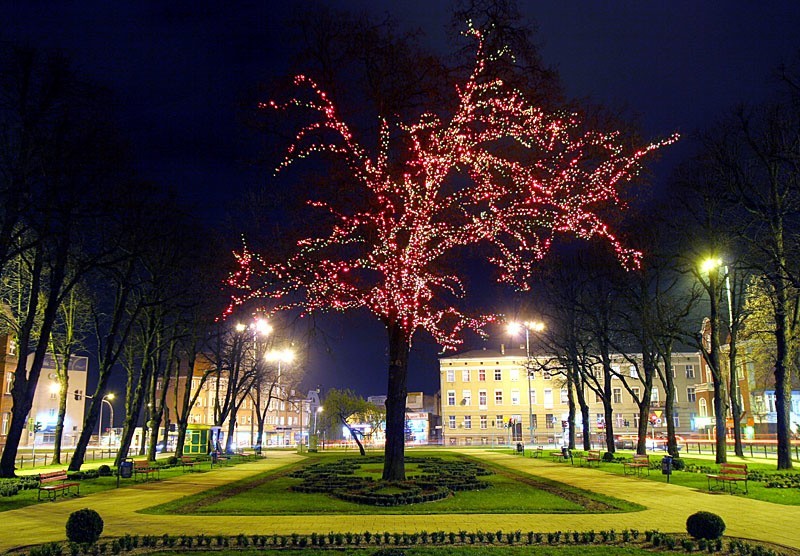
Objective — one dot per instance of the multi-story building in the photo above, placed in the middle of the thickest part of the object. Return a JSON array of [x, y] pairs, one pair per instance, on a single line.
[[488, 398], [44, 410]]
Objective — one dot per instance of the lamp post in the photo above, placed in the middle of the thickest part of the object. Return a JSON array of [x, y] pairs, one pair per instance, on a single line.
[[710, 268], [515, 328], [104, 400]]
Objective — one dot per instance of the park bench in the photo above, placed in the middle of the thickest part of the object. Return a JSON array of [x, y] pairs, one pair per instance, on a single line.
[[54, 482], [592, 457], [144, 468], [730, 474], [561, 455], [635, 465], [537, 453], [190, 462]]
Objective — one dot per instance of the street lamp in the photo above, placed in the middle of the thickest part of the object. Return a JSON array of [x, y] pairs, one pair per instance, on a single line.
[[280, 356], [105, 399], [515, 328]]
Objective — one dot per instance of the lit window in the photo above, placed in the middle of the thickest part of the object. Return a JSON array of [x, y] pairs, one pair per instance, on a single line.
[[467, 421], [654, 395], [564, 395], [548, 398], [451, 375], [482, 398], [617, 395], [514, 374], [550, 421], [703, 407], [451, 397], [634, 373], [451, 421], [498, 397], [484, 422], [515, 397], [466, 395], [482, 375], [465, 375], [498, 423], [689, 371], [533, 396]]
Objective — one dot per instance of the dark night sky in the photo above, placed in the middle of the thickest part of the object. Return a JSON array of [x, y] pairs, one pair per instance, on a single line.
[[180, 68]]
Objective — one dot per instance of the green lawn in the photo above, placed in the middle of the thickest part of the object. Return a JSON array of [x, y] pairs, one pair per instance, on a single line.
[[699, 481], [269, 494]]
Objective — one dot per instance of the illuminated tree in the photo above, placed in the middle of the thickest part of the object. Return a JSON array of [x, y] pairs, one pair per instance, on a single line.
[[496, 172]]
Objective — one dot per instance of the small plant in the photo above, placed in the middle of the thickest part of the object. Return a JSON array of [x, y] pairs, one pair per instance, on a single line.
[[608, 457], [705, 525], [389, 552], [84, 526], [104, 470]]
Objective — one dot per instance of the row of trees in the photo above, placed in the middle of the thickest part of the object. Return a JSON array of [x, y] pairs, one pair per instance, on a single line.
[[721, 249], [94, 261]]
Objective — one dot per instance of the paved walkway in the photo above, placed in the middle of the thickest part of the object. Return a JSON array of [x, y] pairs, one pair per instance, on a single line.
[[668, 506]]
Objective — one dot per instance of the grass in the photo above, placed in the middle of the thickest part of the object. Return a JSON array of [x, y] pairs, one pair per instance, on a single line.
[[699, 481], [269, 494], [583, 550]]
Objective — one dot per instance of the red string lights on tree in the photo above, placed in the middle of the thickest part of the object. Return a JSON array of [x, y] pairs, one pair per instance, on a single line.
[[497, 171], [532, 175]]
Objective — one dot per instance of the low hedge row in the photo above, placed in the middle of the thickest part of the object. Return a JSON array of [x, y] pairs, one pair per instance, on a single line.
[[653, 539]]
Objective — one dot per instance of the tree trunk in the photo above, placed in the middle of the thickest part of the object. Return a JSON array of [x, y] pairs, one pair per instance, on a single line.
[[63, 389], [571, 403], [783, 381], [354, 436], [669, 405], [394, 455], [736, 409], [644, 420]]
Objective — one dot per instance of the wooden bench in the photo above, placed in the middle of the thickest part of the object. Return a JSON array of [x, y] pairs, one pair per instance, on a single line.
[[729, 474], [635, 465], [592, 457], [143, 467], [562, 455], [537, 453], [190, 462], [54, 482]]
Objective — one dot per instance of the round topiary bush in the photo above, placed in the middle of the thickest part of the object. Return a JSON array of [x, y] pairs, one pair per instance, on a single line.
[[104, 470], [84, 526], [678, 464], [608, 457], [705, 525], [172, 461]]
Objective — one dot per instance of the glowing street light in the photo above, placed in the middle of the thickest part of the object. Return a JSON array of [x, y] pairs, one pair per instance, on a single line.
[[515, 328], [105, 400]]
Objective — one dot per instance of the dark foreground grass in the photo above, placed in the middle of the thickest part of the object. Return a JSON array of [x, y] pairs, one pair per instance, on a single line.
[[441, 551], [270, 494]]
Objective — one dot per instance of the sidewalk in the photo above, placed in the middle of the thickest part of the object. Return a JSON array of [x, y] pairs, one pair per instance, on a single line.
[[668, 506]]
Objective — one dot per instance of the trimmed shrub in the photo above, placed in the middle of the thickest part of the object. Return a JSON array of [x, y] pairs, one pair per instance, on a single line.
[[84, 526], [608, 457], [705, 525], [104, 470], [678, 464], [172, 461]]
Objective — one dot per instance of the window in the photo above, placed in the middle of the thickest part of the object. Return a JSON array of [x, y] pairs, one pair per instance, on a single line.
[[548, 398], [484, 422], [635, 395], [676, 420], [451, 375], [634, 372], [514, 374], [533, 396], [482, 375], [564, 395], [617, 395], [689, 371], [498, 397], [467, 421], [52, 412], [546, 375], [451, 421], [482, 398], [515, 397], [466, 395], [498, 423], [451, 397], [636, 420], [4, 427], [654, 395], [465, 375], [620, 420], [53, 395], [549, 421], [534, 421], [703, 407], [598, 398], [498, 374], [9, 382], [672, 370]]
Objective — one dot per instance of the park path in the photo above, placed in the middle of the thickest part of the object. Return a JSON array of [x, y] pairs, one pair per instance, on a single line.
[[668, 506]]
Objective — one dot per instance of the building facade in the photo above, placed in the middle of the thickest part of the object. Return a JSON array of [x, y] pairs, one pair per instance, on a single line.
[[488, 398]]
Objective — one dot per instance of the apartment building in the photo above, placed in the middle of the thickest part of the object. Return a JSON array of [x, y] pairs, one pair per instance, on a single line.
[[488, 398]]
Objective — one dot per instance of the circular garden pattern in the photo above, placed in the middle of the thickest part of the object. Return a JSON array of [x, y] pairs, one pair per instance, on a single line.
[[437, 479]]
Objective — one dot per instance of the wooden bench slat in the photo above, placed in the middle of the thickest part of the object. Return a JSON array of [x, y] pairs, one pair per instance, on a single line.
[[54, 482], [730, 474]]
